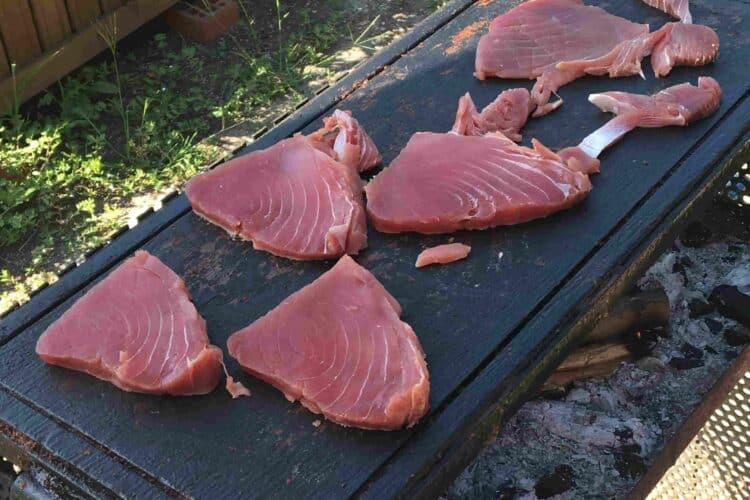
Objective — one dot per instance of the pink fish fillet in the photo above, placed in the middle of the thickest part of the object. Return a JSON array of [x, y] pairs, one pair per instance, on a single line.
[[138, 330], [475, 177], [679, 105], [441, 183], [558, 41], [300, 198], [507, 114], [675, 8], [443, 254], [339, 347]]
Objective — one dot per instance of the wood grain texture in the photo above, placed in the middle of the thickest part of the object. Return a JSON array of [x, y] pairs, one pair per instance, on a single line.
[[4, 64], [83, 13], [488, 334], [18, 32], [85, 44], [51, 20]]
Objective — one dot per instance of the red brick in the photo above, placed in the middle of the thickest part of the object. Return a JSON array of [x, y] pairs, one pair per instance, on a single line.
[[193, 21]]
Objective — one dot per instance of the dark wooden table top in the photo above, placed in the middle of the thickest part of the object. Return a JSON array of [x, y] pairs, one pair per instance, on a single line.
[[491, 327]]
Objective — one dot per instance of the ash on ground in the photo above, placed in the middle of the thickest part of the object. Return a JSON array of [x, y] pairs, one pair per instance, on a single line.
[[599, 439]]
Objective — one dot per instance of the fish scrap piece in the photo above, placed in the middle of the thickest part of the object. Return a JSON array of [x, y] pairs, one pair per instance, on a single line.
[[683, 45], [675, 8], [137, 329], [507, 114], [339, 347], [679, 105], [300, 198], [350, 144], [557, 41], [443, 254]]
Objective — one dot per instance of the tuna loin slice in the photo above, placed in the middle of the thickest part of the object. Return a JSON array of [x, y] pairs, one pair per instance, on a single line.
[[442, 183], [138, 330], [675, 8], [292, 199], [339, 347], [443, 254], [679, 105]]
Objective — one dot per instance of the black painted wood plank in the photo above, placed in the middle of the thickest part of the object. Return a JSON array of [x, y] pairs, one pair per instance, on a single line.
[[31, 434], [463, 313]]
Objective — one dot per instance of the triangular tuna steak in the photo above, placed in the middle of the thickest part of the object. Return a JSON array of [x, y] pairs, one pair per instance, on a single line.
[[475, 176], [300, 198], [675, 8], [339, 347], [139, 330], [558, 41]]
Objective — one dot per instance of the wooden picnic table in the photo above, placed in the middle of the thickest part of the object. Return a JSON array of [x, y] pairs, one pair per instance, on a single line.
[[492, 326]]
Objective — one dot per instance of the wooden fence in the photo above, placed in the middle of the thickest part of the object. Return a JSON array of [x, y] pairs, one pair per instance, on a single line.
[[43, 40]]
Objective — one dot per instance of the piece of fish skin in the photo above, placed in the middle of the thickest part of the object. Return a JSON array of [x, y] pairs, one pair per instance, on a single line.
[[137, 329], [442, 254], [339, 347], [678, 105], [675, 8]]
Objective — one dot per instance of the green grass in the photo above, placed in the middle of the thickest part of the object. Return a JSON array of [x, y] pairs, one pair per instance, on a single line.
[[71, 166]]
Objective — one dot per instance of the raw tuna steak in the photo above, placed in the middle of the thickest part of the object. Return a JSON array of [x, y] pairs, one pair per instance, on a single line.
[[675, 8], [138, 330], [558, 41], [443, 254], [339, 347], [441, 183], [679, 105], [293, 199]]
